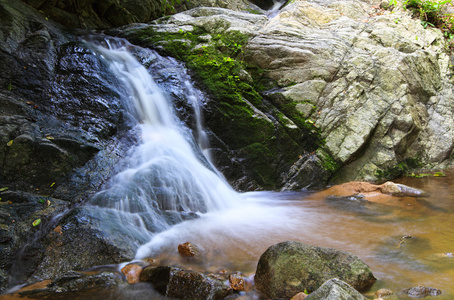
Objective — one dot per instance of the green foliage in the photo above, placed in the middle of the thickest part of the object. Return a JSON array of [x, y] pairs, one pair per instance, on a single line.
[[3, 189], [422, 175], [168, 6], [431, 14], [36, 222]]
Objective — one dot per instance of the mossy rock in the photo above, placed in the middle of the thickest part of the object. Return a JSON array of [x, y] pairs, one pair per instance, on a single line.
[[288, 268]]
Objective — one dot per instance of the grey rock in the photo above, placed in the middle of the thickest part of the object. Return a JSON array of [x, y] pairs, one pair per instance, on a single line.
[[335, 289], [288, 268]]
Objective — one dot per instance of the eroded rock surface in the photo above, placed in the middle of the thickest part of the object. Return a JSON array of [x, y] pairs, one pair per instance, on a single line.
[[362, 93]]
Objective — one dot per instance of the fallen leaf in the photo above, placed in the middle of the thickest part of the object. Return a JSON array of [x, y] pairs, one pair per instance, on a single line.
[[3, 189], [9, 143], [36, 222]]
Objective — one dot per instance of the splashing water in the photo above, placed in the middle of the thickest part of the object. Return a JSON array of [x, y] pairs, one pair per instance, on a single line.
[[166, 178]]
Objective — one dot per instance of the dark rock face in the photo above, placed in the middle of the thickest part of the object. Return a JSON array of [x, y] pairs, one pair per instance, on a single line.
[[177, 283], [288, 268], [335, 289], [72, 282], [61, 134], [99, 14]]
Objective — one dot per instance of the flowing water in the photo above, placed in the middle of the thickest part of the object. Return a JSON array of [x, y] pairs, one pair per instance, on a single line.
[[168, 175], [166, 171]]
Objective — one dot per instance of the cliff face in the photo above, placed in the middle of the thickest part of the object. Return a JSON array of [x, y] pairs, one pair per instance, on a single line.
[[346, 89]]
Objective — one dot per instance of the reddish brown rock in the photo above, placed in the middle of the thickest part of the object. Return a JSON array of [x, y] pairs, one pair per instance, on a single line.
[[187, 249], [237, 282], [299, 296], [132, 273]]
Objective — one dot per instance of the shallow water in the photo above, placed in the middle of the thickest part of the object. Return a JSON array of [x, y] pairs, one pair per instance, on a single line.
[[234, 239]]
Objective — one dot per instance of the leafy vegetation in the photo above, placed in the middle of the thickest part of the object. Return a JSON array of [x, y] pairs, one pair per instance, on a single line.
[[431, 14]]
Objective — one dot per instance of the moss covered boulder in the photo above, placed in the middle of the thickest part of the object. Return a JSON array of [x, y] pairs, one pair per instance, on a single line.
[[288, 268]]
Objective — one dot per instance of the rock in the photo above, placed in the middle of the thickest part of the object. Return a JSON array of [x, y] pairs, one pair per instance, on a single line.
[[288, 268], [73, 282], [178, 283], [188, 249], [299, 296], [422, 291], [335, 289], [333, 88], [385, 294], [94, 14], [132, 273], [237, 282]]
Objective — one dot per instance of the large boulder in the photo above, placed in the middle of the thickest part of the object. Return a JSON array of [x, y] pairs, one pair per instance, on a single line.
[[288, 268]]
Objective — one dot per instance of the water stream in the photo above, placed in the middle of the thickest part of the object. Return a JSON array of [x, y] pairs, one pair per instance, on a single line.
[[166, 172], [167, 192]]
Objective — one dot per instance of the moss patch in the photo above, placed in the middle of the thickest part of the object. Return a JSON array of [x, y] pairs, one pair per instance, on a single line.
[[270, 143]]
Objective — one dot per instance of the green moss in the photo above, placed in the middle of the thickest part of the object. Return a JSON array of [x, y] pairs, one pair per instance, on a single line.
[[261, 162], [404, 167], [217, 59], [328, 162]]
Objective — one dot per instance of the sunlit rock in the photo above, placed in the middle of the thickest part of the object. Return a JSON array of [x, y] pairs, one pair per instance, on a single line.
[[132, 273], [335, 289]]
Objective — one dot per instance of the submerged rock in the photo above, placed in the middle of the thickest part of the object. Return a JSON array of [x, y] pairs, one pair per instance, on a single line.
[[335, 289], [385, 294], [288, 268], [422, 291]]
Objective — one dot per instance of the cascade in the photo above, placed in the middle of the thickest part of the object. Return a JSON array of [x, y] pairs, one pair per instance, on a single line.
[[167, 191], [167, 176]]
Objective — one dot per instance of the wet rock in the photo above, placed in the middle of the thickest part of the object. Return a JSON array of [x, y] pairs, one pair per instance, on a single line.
[[335, 289], [385, 294], [422, 291], [188, 249], [132, 273], [237, 282], [72, 282], [299, 296], [288, 268], [179, 283]]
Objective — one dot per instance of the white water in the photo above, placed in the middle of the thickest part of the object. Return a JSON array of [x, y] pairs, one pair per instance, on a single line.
[[166, 175]]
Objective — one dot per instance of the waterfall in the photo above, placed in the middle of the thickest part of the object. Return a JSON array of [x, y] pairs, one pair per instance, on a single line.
[[166, 177]]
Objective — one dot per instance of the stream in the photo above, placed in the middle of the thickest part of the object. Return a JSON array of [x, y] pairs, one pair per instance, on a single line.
[[169, 171]]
